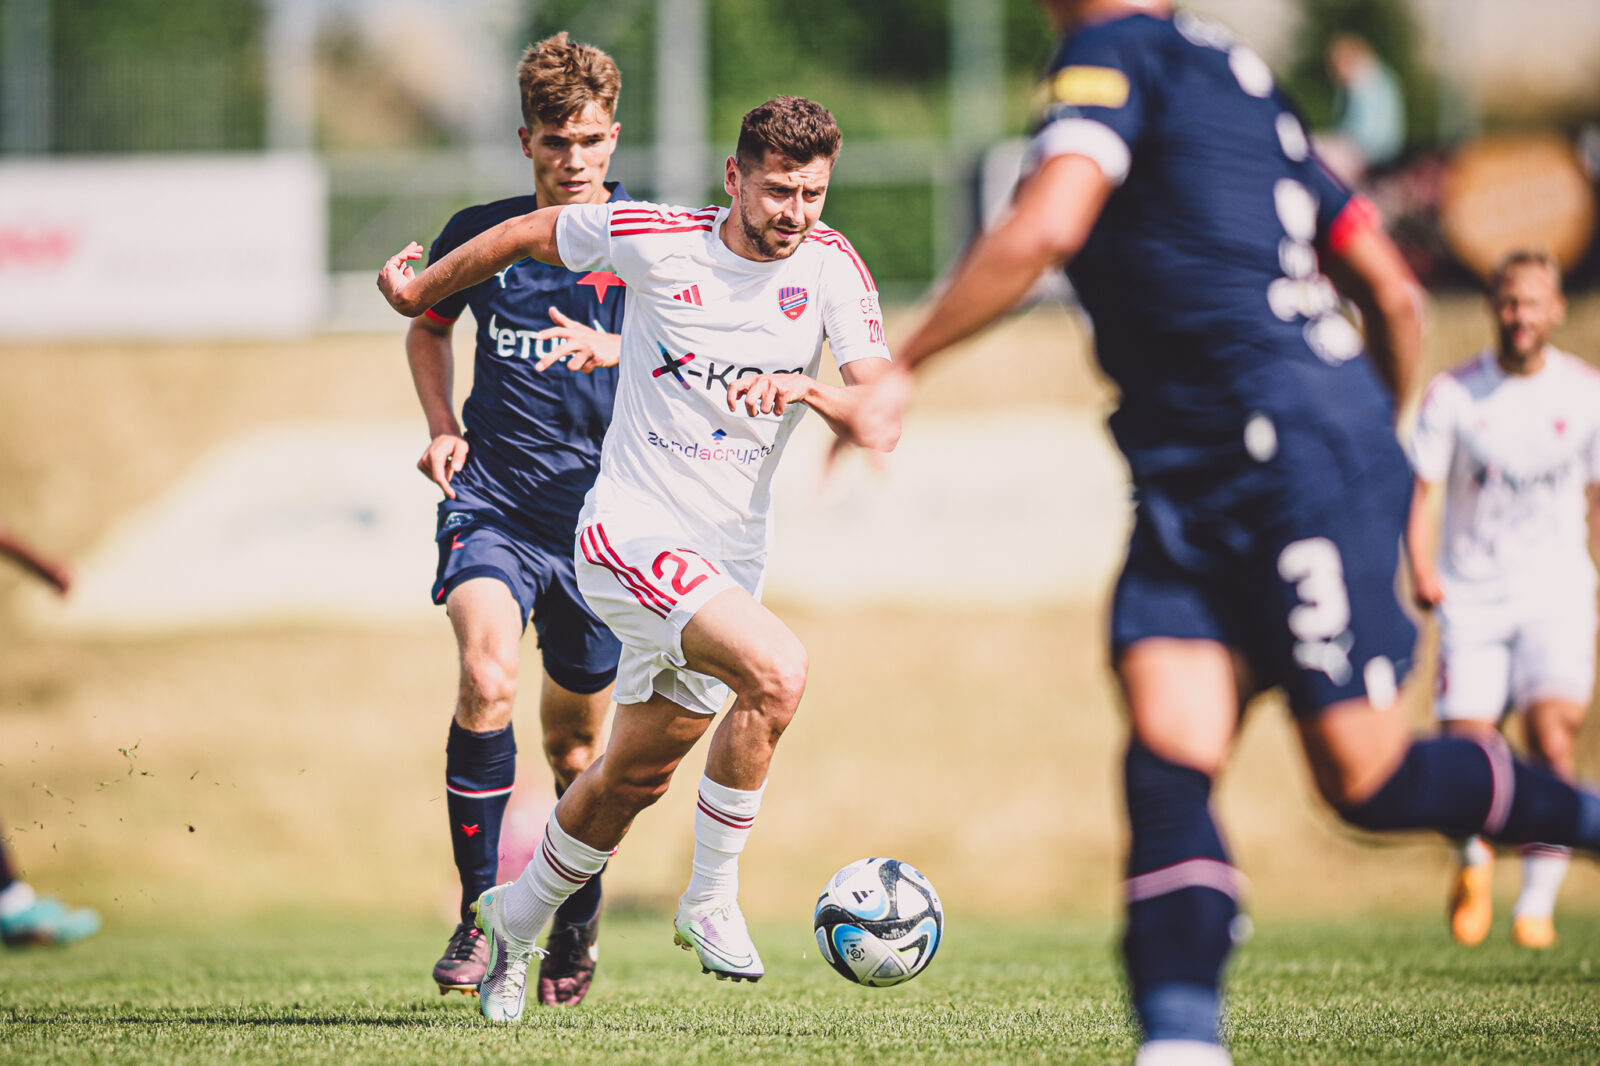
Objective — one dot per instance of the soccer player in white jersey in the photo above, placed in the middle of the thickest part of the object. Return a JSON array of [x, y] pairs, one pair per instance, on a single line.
[[1511, 440], [727, 311]]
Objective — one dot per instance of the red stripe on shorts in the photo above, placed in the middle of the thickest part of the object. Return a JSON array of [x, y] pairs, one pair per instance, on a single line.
[[592, 552], [660, 595]]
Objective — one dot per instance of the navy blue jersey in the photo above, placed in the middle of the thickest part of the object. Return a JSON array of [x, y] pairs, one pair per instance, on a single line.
[[1201, 274], [535, 437]]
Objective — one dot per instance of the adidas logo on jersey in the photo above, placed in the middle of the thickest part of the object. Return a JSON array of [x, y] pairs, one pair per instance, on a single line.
[[691, 295]]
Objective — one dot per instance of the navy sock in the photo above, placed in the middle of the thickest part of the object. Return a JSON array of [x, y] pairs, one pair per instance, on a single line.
[[479, 770], [7, 873], [581, 907], [1461, 787], [1181, 900]]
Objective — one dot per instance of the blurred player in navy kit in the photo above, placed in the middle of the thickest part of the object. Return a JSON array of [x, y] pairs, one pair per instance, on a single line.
[[1177, 187], [544, 381]]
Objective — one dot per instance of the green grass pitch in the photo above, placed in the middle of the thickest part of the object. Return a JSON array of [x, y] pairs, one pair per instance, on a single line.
[[310, 991]]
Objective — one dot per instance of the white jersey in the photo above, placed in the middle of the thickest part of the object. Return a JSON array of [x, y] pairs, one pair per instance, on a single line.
[[699, 317], [1517, 453]]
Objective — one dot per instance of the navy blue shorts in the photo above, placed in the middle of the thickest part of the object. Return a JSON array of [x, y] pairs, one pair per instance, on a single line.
[[1309, 599], [580, 654]]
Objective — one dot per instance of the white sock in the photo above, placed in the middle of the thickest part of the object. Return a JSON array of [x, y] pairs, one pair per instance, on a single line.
[[723, 817], [560, 866], [1181, 1053], [1544, 867], [1474, 852], [15, 898]]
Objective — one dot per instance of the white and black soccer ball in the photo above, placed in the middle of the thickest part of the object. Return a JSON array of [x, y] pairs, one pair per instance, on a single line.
[[879, 922]]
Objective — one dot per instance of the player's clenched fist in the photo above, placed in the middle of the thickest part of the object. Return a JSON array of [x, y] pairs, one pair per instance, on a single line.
[[769, 394], [396, 275], [446, 455]]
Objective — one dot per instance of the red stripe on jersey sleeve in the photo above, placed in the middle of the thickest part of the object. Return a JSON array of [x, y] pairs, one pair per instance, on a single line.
[[641, 228], [1359, 216], [437, 317], [834, 239]]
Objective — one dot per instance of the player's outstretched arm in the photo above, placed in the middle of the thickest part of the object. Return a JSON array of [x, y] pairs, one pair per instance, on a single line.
[[527, 236], [1422, 540], [1049, 221], [1369, 269], [432, 361], [772, 394], [1047, 224]]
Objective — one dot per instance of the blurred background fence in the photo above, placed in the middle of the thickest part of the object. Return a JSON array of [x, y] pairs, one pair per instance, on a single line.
[[409, 105]]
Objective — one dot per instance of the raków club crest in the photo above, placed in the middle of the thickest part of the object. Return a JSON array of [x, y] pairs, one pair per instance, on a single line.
[[792, 301]]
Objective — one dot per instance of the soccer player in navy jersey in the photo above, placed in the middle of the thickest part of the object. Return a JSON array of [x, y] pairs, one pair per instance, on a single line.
[[1176, 186], [544, 381]]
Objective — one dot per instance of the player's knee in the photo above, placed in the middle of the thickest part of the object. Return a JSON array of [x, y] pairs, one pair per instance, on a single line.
[[488, 692], [569, 754], [779, 681], [1347, 787]]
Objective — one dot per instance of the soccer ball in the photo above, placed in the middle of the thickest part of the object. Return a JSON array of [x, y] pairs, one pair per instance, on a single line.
[[879, 922]]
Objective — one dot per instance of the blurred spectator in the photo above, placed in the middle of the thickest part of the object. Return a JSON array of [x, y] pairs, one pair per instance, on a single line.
[[25, 916], [1371, 128]]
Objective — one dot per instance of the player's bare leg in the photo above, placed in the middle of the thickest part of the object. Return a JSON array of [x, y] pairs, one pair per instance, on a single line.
[[1471, 904], [1552, 727], [1183, 702], [481, 759], [647, 742], [735, 639], [572, 722], [742, 643], [1379, 778]]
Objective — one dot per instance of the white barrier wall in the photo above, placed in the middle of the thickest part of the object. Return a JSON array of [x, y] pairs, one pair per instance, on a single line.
[[162, 247]]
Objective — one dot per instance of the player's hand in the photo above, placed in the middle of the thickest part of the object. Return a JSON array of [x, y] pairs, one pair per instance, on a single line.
[[1426, 590], [586, 350], [768, 394], [58, 575], [875, 420], [396, 275], [445, 456]]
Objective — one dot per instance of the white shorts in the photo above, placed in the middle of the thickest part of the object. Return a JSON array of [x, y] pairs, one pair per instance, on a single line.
[[646, 588], [1499, 656]]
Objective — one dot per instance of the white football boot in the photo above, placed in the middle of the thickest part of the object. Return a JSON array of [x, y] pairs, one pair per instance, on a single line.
[[718, 934], [504, 987]]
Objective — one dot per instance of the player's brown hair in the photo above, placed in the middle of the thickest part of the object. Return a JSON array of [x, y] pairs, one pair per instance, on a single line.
[[1524, 257], [558, 79], [793, 127]]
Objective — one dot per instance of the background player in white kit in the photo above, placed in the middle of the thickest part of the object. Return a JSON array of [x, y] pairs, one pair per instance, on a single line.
[[1511, 438], [727, 312]]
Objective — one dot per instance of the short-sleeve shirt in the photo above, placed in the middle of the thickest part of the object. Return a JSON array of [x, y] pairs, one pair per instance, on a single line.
[[534, 436], [1201, 274], [1516, 454], [699, 317]]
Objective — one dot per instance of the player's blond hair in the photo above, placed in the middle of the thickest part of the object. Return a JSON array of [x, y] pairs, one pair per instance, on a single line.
[[558, 79], [793, 127], [1521, 258]]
